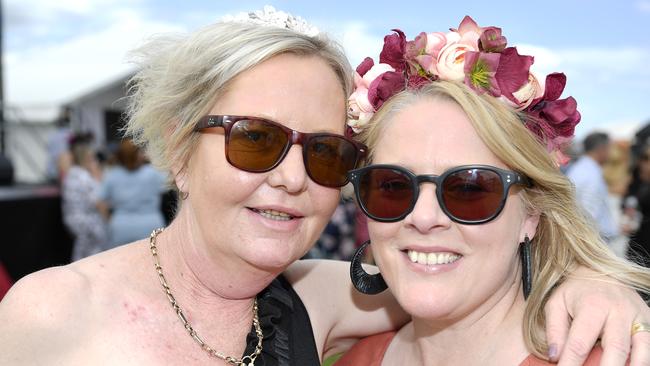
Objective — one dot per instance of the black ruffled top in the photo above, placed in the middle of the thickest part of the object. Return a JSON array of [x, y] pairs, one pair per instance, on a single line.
[[288, 337]]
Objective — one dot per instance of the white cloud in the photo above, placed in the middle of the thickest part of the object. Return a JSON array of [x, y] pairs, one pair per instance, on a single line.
[[610, 60], [53, 74], [46, 9], [643, 5], [358, 42]]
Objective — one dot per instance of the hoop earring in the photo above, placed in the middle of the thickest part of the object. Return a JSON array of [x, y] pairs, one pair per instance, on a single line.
[[526, 270], [362, 280]]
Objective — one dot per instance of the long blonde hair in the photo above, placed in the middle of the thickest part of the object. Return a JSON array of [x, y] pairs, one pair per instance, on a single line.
[[565, 236], [181, 77]]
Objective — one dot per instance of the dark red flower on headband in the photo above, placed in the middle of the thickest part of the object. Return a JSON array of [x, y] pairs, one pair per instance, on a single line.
[[394, 49], [554, 87], [365, 65], [555, 118], [418, 81], [385, 86], [512, 72]]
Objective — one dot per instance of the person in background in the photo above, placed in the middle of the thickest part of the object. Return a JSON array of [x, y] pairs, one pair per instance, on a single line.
[[591, 189], [636, 210], [130, 196], [58, 146], [79, 195]]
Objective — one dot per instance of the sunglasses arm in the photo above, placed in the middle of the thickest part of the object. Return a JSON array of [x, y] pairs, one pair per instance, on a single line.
[[210, 121]]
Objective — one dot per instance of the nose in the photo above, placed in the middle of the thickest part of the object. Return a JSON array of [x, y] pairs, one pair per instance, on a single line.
[[427, 214], [290, 174]]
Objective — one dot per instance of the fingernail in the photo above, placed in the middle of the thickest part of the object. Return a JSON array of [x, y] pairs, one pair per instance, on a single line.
[[552, 352]]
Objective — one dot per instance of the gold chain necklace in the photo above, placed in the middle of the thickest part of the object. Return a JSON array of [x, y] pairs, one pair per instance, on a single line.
[[248, 360]]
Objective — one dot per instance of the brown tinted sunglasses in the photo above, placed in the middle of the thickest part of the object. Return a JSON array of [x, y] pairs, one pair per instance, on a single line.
[[258, 145]]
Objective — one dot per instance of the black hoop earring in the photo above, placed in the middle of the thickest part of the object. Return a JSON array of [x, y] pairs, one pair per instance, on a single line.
[[526, 270], [362, 280]]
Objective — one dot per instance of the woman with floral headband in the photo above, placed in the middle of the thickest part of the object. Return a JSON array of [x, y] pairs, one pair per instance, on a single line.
[[254, 142], [472, 223]]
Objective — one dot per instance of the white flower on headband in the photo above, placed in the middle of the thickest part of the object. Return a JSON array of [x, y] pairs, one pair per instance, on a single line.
[[270, 17]]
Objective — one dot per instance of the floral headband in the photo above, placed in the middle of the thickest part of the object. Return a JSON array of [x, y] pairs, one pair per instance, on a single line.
[[478, 56]]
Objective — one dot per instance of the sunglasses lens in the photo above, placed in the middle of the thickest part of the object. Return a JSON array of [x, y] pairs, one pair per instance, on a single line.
[[385, 193], [255, 145], [329, 158], [472, 194]]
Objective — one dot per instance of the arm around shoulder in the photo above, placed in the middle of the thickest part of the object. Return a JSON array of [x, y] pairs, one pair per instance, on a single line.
[[338, 313]]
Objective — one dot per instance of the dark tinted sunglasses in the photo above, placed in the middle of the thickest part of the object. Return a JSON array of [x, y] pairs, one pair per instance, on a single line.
[[258, 145], [468, 194]]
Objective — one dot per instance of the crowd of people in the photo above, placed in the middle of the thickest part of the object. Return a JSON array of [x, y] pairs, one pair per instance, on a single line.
[[107, 200], [482, 250], [622, 216]]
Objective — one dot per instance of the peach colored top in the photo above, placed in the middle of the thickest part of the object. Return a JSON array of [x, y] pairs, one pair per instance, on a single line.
[[370, 352]]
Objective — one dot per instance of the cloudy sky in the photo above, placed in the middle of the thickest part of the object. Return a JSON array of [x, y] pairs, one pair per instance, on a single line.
[[57, 50]]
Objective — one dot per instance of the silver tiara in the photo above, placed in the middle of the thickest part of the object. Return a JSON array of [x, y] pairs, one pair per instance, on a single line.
[[277, 18]]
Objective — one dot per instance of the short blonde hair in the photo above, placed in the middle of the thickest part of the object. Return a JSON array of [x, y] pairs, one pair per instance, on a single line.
[[181, 77], [565, 236]]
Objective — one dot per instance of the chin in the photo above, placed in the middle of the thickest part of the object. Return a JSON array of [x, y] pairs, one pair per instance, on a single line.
[[275, 256], [428, 302]]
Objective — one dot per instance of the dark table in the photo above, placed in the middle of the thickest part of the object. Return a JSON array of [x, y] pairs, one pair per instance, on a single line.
[[32, 234]]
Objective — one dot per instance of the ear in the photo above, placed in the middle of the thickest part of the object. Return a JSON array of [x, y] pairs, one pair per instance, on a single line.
[[529, 227], [178, 169], [181, 178]]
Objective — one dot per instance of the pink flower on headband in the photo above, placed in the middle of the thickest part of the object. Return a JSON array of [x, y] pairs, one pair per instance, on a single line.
[[477, 56], [491, 40], [480, 72], [469, 31], [525, 96], [435, 42], [451, 60], [374, 84]]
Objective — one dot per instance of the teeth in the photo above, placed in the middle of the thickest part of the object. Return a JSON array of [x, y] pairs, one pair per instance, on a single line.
[[275, 215], [413, 255], [432, 258]]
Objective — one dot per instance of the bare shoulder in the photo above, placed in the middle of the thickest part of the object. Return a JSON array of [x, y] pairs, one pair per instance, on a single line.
[[57, 293], [51, 310], [44, 296]]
